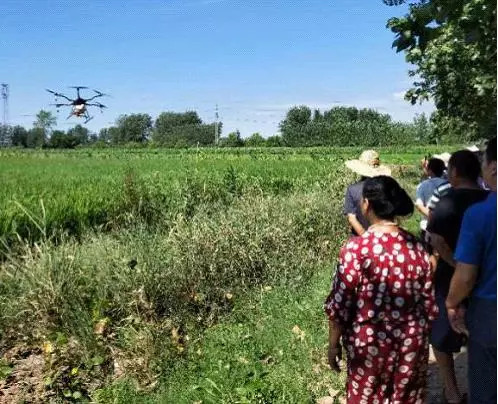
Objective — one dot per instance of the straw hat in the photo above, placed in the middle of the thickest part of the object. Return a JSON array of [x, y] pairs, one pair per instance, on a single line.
[[443, 156], [368, 165], [473, 148]]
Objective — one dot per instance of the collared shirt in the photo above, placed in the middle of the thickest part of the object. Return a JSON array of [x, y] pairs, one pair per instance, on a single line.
[[439, 192], [425, 191], [477, 245]]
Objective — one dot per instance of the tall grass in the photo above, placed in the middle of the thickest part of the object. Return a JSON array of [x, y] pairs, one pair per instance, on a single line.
[[187, 240], [149, 287]]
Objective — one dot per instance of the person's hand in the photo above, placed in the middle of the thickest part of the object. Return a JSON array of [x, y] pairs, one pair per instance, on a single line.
[[457, 319], [335, 355]]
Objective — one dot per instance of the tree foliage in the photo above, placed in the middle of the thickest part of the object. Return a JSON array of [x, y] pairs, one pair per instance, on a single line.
[[19, 136], [342, 126], [45, 120], [255, 140], [452, 46], [174, 129], [134, 128], [80, 134], [234, 139], [36, 137]]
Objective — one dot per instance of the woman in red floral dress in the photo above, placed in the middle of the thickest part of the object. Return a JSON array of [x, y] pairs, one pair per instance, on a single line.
[[382, 303]]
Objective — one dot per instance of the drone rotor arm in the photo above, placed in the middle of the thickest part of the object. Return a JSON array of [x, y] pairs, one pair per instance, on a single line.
[[97, 95], [59, 95], [96, 104]]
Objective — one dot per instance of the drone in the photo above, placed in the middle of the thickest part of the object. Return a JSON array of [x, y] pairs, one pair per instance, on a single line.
[[79, 106]]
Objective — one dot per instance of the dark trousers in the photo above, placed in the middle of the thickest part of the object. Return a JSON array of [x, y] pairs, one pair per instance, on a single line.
[[481, 319], [482, 373]]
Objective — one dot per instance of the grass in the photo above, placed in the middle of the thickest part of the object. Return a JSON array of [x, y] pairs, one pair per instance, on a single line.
[[52, 193], [194, 275], [270, 349]]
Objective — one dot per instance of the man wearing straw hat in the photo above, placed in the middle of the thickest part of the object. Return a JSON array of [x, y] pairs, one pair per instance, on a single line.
[[368, 165]]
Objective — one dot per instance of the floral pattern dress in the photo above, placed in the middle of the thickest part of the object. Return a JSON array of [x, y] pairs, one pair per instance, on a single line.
[[382, 295]]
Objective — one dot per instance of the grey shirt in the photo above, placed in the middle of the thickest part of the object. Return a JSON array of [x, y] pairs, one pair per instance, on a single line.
[[352, 203]]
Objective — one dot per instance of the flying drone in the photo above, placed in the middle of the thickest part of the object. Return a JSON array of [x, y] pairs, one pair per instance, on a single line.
[[79, 105]]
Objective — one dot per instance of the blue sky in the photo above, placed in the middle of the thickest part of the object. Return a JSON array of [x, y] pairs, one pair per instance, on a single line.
[[254, 58]]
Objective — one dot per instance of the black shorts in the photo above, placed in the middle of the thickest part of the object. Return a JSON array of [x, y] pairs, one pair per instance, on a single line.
[[442, 337]]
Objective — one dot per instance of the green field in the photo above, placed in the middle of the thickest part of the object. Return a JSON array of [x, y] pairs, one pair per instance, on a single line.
[[149, 275]]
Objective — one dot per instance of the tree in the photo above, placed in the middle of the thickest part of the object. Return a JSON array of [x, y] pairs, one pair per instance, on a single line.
[[36, 137], [232, 140], [255, 140], [452, 44], [339, 126], [45, 120], [174, 129], [80, 133], [424, 132], [294, 123], [115, 135], [274, 141], [61, 140], [134, 128], [19, 136]]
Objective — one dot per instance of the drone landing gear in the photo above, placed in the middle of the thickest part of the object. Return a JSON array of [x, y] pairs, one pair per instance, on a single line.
[[88, 119]]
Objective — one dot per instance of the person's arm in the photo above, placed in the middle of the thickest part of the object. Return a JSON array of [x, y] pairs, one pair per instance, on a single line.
[[424, 210], [468, 257], [439, 220], [419, 200], [339, 305], [335, 349], [443, 249], [350, 209], [462, 283], [355, 224]]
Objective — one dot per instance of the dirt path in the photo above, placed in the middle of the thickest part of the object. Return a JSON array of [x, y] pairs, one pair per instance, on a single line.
[[435, 387]]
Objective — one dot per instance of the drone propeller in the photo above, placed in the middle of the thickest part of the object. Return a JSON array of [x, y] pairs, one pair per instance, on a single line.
[[61, 105], [59, 95], [78, 87], [97, 104]]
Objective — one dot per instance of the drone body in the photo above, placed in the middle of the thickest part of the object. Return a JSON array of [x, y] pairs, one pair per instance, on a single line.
[[79, 105]]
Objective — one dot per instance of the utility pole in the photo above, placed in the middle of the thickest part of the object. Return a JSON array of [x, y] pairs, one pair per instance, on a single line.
[[216, 131], [5, 135], [5, 98]]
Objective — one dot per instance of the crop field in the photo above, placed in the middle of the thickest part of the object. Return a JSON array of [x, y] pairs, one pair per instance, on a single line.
[[148, 275]]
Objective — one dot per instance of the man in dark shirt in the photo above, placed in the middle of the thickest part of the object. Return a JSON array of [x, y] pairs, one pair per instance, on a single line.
[[444, 227], [475, 277], [368, 165]]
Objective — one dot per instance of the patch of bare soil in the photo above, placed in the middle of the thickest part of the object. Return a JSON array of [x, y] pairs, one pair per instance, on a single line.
[[25, 382]]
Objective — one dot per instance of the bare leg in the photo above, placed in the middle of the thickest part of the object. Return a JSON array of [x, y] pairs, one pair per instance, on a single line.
[[446, 367]]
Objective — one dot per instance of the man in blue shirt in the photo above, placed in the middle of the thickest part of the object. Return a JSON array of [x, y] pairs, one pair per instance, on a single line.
[[475, 276]]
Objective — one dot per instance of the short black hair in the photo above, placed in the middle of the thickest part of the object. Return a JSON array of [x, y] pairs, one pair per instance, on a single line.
[[386, 197], [437, 166], [491, 150], [466, 164]]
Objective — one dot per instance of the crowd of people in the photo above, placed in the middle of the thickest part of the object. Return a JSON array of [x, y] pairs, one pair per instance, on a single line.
[[394, 293]]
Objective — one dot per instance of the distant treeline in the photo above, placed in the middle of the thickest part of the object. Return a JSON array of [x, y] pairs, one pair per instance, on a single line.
[[339, 126]]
